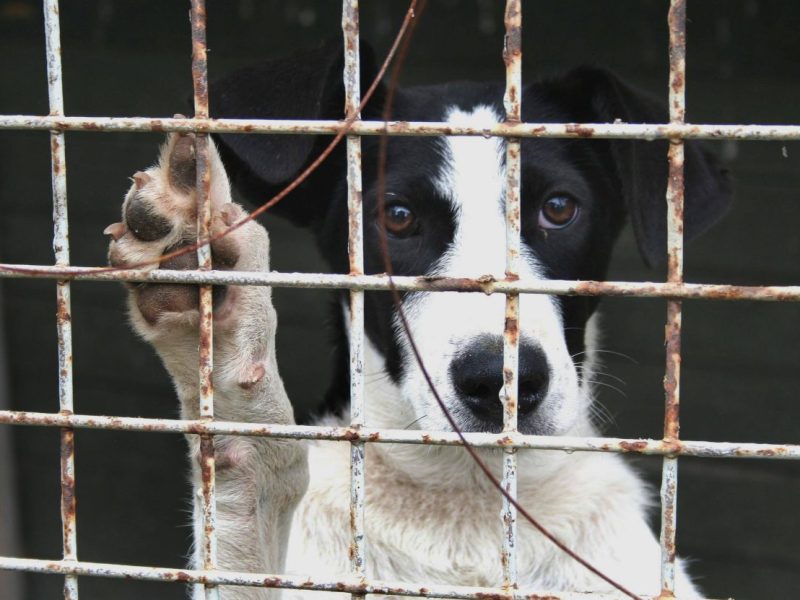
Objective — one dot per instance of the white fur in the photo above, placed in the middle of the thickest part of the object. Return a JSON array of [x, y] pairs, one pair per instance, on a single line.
[[431, 516]]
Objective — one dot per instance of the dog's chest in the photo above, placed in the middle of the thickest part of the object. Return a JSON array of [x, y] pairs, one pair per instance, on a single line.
[[423, 531], [414, 532]]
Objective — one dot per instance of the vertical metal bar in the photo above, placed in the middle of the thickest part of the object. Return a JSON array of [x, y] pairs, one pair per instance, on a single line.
[[63, 306], [355, 247], [206, 342], [512, 56], [675, 192]]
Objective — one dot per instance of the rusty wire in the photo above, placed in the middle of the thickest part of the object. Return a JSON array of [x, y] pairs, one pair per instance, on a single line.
[[355, 246], [484, 285], [208, 503], [404, 436], [675, 289], [55, 94], [293, 582], [629, 131], [675, 207]]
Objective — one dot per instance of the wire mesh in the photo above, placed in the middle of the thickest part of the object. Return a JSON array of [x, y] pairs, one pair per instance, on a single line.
[[358, 434]]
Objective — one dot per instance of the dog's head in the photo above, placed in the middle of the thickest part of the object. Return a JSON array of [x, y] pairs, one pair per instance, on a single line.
[[444, 212]]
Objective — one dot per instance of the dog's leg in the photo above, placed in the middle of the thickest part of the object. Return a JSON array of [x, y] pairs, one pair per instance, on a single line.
[[259, 481]]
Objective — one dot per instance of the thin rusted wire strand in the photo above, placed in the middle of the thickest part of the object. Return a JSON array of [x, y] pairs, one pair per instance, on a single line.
[[387, 263]]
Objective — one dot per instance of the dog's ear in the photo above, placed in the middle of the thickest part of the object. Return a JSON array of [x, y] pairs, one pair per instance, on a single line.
[[595, 95], [305, 85]]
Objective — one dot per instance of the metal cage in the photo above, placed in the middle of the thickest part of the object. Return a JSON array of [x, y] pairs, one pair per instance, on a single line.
[[359, 433]]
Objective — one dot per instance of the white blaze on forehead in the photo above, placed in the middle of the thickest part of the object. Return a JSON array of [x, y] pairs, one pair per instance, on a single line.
[[473, 180]]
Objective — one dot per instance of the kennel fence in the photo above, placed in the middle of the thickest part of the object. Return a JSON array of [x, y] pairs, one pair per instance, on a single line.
[[359, 433]]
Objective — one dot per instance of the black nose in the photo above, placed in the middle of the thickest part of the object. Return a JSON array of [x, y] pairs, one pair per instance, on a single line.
[[477, 375]]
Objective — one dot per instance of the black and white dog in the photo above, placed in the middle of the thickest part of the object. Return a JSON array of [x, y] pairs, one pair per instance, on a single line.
[[431, 516]]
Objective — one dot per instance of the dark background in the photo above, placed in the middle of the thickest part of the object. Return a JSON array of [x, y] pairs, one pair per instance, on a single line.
[[737, 518]]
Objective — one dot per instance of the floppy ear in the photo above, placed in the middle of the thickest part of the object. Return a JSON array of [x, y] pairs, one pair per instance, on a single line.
[[597, 96], [305, 85]]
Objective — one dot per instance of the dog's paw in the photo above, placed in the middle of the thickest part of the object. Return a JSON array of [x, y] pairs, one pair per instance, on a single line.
[[159, 216]]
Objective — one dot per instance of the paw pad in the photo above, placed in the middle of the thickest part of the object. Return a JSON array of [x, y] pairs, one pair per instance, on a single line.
[[144, 222]]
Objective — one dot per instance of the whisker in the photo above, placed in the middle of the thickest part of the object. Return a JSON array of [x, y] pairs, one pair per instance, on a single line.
[[414, 422], [608, 385], [612, 352], [619, 380], [601, 414]]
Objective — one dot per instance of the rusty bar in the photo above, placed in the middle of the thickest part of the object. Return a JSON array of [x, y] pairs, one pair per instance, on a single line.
[[512, 57], [675, 196], [646, 131], [265, 580], [208, 509], [485, 285], [55, 89], [355, 249], [403, 436]]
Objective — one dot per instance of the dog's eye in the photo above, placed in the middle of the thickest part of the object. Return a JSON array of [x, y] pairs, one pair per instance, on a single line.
[[400, 220], [558, 212]]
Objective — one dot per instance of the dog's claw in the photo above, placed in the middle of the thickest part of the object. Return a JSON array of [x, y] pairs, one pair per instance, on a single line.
[[230, 213], [253, 376], [116, 230], [141, 179]]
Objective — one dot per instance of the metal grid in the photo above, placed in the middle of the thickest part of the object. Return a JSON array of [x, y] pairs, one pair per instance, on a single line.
[[358, 433]]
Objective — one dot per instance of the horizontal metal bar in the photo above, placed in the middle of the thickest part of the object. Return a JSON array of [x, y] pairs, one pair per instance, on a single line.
[[404, 436], [645, 131], [344, 585], [484, 284]]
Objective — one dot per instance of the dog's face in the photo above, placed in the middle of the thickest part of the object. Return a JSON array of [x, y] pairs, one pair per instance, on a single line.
[[444, 211], [445, 215]]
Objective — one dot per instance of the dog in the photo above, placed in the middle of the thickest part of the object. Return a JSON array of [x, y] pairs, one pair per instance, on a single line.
[[431, 515]]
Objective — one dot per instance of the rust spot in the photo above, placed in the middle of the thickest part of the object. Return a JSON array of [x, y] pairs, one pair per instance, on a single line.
[[68, 500], [512, 328], [579, 130], [351, 435], [206, 462], [678, 82], [777, 451], [633, 446], [62, 313], [672, 375], [512, 95]]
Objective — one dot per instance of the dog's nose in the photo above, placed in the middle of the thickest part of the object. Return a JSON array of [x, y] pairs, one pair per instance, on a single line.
[[477, 375]]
